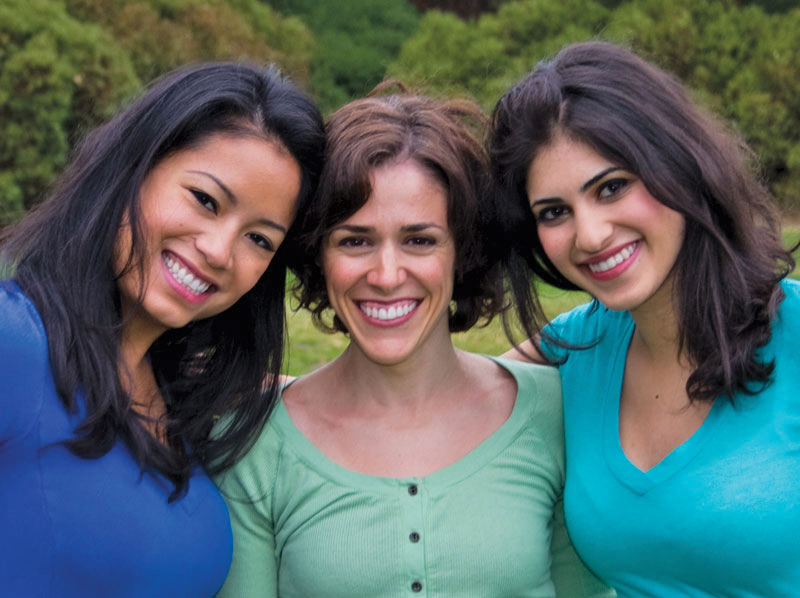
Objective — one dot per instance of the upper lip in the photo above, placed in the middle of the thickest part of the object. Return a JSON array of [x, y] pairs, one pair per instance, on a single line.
[[601, 257]]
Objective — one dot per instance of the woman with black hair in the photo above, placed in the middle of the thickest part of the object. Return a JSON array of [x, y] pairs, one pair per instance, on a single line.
[[145, 299], [680, 378]]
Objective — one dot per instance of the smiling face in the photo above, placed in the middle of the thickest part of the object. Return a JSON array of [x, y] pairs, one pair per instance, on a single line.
[[389, 267], [212, 218], [600, 226]]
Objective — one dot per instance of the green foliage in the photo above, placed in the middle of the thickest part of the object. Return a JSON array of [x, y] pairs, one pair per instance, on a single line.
[[483, 58], [739, 60], [58, 77], [354, 42], [163, 34]]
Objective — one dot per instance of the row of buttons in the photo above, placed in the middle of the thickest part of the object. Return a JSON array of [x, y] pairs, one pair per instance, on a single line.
[[416, 586]]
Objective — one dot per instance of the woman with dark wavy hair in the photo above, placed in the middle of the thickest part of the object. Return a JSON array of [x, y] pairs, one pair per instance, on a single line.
[[680, 378], [146, 299], [405, 465]]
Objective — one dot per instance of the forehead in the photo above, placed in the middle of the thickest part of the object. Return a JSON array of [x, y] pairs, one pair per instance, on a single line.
[[564, 163], [403, 193]]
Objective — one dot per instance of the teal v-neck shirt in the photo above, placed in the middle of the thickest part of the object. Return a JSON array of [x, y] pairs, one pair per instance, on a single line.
[[719, 515], [481, 527]]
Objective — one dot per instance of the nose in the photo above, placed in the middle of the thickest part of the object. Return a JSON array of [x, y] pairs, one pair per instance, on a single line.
[[593, 229], [216, 245], [387, 271]]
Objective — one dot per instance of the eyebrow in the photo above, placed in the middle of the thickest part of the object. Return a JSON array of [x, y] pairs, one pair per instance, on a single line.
[[234, 200], [408, 228], [598, 176], [583, 188]]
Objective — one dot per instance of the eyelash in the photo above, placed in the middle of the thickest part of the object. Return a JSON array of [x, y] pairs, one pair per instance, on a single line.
[[359, 242], [352, 242], [261, 241], [210, 204], [204, 199], [617, 184], [546, 215], [421, 241], [608, 190]]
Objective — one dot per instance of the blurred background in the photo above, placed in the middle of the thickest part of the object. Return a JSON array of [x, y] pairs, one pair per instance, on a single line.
[[67, 65]]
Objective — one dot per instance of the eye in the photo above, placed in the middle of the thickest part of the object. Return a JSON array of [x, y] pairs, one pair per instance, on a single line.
[[205, 200], [352, 242], [611, 188], [421, 241], [550, 214], [261, 241]]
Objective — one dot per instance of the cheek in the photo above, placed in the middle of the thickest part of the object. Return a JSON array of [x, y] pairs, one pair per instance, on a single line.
[[555, 242], [250, 273]]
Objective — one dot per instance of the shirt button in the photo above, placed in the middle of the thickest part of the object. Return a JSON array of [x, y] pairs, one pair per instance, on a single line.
[[416, 586], [413, 489], [414, 537]]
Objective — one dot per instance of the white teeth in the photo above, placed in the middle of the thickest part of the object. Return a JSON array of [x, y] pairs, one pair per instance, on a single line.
[[614, 260], [392, 313], [187, 279]]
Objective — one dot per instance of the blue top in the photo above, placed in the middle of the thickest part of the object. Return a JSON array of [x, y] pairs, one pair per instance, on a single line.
[[89, 527], [720, 515]]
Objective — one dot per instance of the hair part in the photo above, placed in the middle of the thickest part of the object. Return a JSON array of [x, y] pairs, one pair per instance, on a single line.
[[63, 259], [640, 118], [440, 137]]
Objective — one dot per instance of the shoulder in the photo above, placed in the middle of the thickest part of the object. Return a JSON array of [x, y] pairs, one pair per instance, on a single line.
[[538, 414], [252, 477], [24, 362], [532, 377], [791, 290], [585, 325], [785, 341], [538, 390], [20, 324]]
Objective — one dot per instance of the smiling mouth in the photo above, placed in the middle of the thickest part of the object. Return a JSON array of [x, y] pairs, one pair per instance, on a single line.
[[614, 260], [188, 280], [387, 313]]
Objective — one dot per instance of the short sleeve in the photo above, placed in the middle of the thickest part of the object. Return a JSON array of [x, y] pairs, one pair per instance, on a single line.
[[247, 490], [24, 362], [575, 328]]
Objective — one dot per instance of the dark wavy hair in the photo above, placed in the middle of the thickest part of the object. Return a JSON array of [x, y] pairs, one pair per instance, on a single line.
[[63, 251], [442, 138], [640, 118]]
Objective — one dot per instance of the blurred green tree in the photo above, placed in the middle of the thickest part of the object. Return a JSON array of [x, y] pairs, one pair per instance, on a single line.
[[482, 58], [163, 34], [739, 60], [58, 77], [355, 40]]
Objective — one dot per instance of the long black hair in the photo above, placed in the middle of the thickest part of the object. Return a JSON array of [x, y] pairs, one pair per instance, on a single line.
[[639, 117], [62, 254]]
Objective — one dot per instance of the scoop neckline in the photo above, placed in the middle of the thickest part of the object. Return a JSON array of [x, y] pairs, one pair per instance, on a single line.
[[448, 475]]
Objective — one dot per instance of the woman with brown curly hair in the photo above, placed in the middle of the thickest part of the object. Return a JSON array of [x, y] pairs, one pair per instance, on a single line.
[[404, 466]]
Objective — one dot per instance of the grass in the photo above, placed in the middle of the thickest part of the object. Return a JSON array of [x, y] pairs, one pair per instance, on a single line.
[[309, 348]]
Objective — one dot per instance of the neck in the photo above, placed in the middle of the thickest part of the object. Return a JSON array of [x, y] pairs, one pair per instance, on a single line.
[[657, 332], [409, 386], [136, 373]]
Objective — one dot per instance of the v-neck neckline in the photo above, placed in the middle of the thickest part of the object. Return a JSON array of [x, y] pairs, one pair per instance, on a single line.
[[636, 479]]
